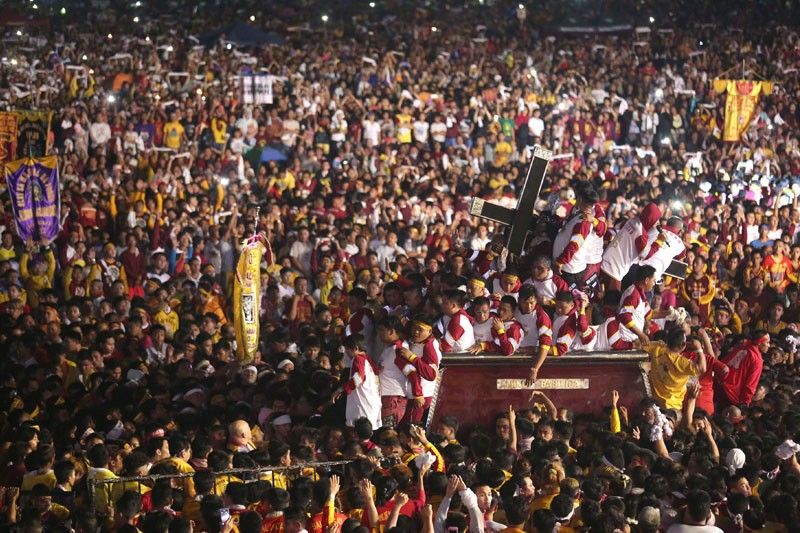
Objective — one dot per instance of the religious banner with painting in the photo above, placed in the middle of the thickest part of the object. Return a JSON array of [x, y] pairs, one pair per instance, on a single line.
[[247, 296], [33, 129], [740, 104], [35, 197], [8, 137]]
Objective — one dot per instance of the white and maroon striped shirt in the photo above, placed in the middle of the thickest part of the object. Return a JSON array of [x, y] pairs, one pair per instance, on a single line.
[[429, 354], [537, 326], [459, 335]]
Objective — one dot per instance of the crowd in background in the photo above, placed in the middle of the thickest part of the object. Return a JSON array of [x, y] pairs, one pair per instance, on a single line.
[[117, 342]]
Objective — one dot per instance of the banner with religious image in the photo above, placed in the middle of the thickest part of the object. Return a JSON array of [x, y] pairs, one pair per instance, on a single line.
[[740, 104], [35, 197], [33, 129], [8, 137], [247, 299]]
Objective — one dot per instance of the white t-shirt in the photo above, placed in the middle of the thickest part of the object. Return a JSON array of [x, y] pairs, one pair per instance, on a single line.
[[301, 252], [439, 131], [372, 132], [535, 126], [421, 131]]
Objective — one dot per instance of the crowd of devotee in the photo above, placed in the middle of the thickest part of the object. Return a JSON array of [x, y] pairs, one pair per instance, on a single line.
[[125, 406]]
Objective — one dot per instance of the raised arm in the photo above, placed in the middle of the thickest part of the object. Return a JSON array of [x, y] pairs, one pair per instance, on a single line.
[[541, 396]]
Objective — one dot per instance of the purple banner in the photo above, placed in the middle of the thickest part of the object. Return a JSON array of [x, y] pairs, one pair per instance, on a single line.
[[35, 197]]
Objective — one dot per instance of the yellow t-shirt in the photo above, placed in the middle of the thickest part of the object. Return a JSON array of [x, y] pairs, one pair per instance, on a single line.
[[183, 467], [404, 128], [221, 482], [502, 152], [103, 500], [173, 131], [7, 254], [31, 479], [220, 130], [669, 373]]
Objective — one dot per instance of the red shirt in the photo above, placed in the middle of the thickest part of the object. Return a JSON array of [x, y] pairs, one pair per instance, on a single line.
[[745, 364]]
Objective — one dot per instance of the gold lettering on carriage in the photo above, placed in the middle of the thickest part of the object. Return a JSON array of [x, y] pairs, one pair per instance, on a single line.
[[545, 383]]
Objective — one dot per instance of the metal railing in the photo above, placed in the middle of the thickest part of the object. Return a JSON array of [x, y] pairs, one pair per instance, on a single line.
[[149, 480]]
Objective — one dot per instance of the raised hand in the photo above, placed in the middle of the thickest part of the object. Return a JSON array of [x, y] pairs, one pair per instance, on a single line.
[[400, 499], [335, 485], [365, 486], [452, 486]]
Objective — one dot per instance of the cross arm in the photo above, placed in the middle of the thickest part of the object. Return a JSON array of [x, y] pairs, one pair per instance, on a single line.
[[491, 211]]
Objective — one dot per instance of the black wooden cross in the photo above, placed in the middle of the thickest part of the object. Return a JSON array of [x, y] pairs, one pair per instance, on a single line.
[[519, 219]]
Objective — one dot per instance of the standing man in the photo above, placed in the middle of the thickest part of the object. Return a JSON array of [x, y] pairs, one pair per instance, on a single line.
[[669, 370], [745, 363], [363, 389], [398, 378], [424, 354]]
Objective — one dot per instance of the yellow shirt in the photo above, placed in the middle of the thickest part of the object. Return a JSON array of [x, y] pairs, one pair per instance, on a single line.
[[278, 479], [103, 501], [221, 482], [284, 181], [169, 320], [502, 152], [31, 479], [183, 467], [220, 130], [173, 132], [404, 128], [7, 254], [35, 283], [669, 373]]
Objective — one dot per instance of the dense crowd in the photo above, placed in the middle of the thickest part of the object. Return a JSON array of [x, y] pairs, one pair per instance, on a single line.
[[118, 349]]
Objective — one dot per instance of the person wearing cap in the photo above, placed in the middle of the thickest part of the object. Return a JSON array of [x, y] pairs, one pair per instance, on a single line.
[[745, 362], [667, 246], [629, 245]]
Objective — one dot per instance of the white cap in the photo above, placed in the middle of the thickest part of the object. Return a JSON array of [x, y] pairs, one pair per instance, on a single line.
[[735, 460]]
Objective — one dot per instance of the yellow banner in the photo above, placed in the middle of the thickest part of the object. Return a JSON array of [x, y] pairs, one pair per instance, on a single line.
[[740, 104], [247, 300], [8, 137]]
